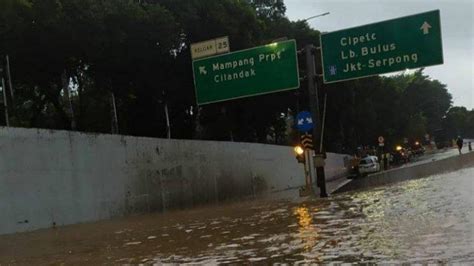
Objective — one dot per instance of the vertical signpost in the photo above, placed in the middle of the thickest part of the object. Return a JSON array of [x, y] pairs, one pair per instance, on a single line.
[[393, 45], [304, 124], [398, 44], [382, 156], [314, 105]]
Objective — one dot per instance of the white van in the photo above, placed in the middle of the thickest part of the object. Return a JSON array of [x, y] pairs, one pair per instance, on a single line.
[[368, 165]]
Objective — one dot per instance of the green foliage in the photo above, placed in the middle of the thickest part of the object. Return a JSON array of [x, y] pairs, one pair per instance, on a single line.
[[269, 9], [459, 122], [139, 50], [407, 105]]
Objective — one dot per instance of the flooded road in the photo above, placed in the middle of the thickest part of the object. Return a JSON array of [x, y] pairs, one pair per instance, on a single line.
[[428, 220]]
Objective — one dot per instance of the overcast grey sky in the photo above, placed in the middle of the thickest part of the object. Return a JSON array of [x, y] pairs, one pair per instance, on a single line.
[[457, 23]]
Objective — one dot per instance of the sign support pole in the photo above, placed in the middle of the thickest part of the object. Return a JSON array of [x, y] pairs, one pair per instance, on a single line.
[[314, 107], [324, 123], [307, 170], [309, 182]]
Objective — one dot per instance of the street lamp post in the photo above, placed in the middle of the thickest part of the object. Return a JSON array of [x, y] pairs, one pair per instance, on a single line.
[[313, 93], [315, 111], [317, 16]]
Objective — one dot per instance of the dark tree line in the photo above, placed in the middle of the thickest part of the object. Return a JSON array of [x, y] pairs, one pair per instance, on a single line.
[[138, 52]]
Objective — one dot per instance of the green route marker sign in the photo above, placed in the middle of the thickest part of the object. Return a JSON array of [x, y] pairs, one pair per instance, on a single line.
[[383, 47], [260, 70]]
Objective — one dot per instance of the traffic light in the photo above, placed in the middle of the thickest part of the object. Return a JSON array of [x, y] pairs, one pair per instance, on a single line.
[[299, 152]]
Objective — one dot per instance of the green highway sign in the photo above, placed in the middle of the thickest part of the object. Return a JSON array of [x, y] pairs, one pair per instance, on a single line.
[[260, 70], [383, 47]]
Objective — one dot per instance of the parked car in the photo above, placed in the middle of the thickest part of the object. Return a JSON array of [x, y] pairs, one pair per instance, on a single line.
[[368, 165]]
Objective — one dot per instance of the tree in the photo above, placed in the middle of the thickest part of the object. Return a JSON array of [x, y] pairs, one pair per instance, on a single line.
[[269, 9], [457, 122], [139, 51], [428, 97], [113, 45]]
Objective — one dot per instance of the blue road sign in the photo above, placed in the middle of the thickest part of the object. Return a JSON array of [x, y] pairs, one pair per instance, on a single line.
[[304, 121]]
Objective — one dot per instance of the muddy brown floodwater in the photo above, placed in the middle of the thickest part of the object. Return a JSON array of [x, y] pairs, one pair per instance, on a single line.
[[428, 220]]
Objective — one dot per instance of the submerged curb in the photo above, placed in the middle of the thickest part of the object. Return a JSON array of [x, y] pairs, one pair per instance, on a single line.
[[445, 165]]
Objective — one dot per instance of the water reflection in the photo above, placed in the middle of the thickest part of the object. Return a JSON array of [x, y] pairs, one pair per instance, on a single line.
[[308, 233], [420, 221], [304, 218]]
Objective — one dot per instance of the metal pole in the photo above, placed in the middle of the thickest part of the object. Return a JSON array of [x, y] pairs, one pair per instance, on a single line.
[[5, 104], [314, 106], [320, 15], [307, 171], [10, 78], [323, 124], [114, 114], [311, 171], [168, 126]]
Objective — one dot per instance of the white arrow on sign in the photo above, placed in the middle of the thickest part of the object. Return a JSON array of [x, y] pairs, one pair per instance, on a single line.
[[202, 70], [425, 27]]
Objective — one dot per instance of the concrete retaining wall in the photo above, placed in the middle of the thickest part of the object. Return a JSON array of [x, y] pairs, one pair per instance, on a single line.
[[410, 172], [58, 177]]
